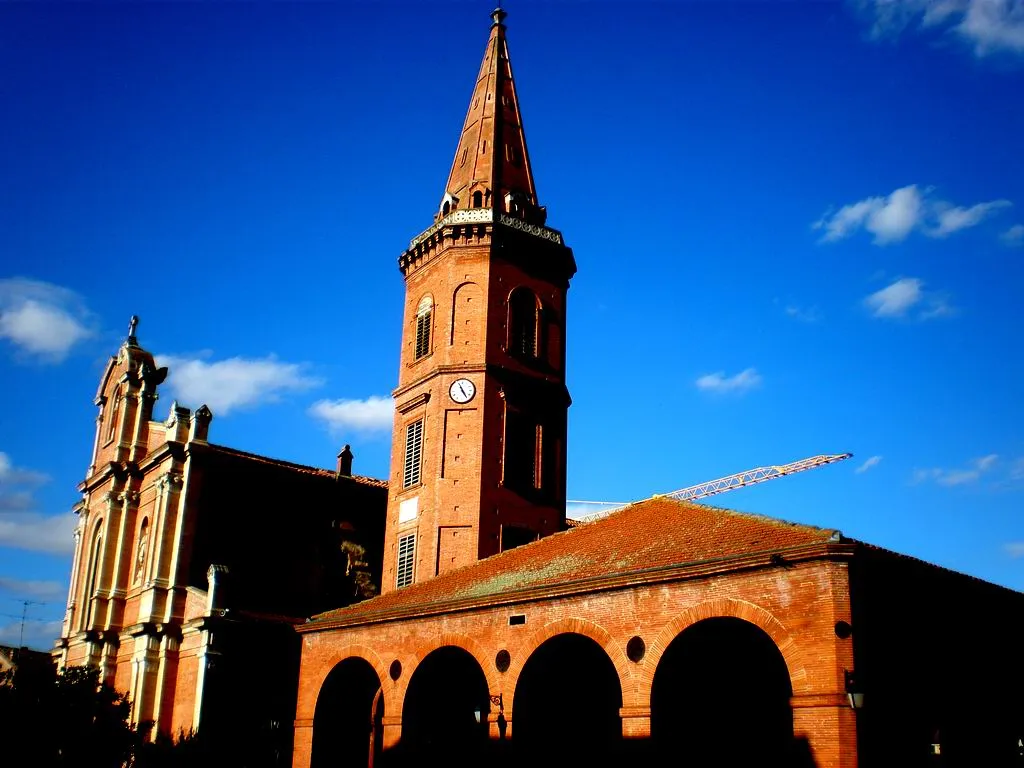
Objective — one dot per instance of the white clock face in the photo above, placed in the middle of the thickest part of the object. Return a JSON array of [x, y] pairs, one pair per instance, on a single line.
[[462, 390]]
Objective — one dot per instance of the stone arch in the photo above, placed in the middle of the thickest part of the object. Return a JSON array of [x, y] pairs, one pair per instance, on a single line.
[[463, 297], [725, 607], [577, 626], [463, 642], [306, 704]]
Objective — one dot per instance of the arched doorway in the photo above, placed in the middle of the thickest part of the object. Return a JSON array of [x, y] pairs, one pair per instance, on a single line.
[[567, 703], [721, 696], [444, 715], [346, 723]]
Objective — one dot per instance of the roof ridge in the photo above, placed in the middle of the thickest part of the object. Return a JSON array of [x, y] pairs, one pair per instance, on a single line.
[[321, 471]]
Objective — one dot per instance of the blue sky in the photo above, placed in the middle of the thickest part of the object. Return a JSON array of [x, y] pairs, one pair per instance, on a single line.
[[799, 230]]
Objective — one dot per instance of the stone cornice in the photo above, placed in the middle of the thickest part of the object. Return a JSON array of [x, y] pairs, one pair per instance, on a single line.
[[682, 572]]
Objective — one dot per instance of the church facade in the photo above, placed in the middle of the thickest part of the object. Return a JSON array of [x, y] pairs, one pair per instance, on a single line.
[[184, 580]]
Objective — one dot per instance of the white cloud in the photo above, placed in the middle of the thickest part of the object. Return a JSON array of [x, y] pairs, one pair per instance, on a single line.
[[237, 382], [12, 475], [40, 635], [988, 26], [873, 461], [960, 476], [718, 382], [895, 299], [45, 591], [1014, 235], [953, 218], [901, 296], [891, 218], [374, 414], [44, 321], [584, 511], [37, 532]]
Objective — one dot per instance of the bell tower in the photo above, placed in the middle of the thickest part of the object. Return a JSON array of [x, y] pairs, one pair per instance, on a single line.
[[479, 442]]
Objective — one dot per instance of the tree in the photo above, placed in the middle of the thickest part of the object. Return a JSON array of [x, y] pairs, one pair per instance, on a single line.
[[70, 719]]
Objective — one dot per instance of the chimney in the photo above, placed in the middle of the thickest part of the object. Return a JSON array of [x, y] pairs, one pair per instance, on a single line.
[[345, 462], [199, 427]]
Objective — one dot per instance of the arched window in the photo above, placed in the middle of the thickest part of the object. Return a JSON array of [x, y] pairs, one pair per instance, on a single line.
[[424, 311], [478, 199], [523, 324], [446, 208], [115, 410], [92, 583]]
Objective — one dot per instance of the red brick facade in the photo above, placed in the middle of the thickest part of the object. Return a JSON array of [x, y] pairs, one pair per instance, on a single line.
[[484, 311]]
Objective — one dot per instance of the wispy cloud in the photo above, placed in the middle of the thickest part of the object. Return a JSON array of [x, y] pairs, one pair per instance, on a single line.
[[1014, 548], [237, 382], [44, 591], [803, 314], [953, 218], [41, 320], [891, 218], [40, 635], [22, 525], [718, 382], [869, 463], [1014, 235], [958, 476], [905, 294], [374, 414], [987, 26]]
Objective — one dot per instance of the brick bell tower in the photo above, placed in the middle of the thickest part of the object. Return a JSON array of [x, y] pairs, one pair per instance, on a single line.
[[479, 443]]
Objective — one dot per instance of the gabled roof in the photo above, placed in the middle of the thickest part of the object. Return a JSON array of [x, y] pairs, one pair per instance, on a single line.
[[634, 544], [300, 468], [492, 146]]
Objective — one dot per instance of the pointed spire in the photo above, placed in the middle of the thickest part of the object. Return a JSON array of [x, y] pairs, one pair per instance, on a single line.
[[492, 166]]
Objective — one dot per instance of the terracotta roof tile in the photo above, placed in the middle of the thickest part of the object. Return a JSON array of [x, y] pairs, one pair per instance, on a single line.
[[302, 468], [652, 534]]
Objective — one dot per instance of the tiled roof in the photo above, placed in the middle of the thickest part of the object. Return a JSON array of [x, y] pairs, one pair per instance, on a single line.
[[659, 533], [302, 468]]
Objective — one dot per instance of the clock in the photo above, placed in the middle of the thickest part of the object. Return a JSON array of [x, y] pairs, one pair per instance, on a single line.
[[462, 390]]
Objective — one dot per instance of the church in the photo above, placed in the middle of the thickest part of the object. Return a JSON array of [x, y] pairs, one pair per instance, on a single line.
[[665, 632]]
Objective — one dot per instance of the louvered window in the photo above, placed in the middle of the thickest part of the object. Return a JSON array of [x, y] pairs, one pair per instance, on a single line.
[[413, 453], [523, 321], [423, 316], [406, 558]]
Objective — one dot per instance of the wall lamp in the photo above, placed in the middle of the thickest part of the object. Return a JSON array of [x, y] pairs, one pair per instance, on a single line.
[[853, 690]]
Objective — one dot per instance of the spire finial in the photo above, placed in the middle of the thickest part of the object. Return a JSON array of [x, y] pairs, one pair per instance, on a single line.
[[132, 325], [498, 14]]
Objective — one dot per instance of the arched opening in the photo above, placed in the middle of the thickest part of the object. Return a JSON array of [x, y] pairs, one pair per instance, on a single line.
[[92, 584], [444, 716], [567, 704], [424, 314], [346, 723], [478, 199], [523, 323], [721, 696], [115, 410]]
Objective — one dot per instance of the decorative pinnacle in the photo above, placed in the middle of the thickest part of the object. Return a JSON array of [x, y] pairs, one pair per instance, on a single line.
[[498, 14], [132, 325]]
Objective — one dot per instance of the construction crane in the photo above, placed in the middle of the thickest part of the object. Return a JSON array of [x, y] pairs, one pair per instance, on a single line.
[[729, 483]]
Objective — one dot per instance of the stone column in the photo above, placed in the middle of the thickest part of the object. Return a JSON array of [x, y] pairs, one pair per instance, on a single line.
[[302, 750], [829, 725], [636, 722], [392, 725]]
